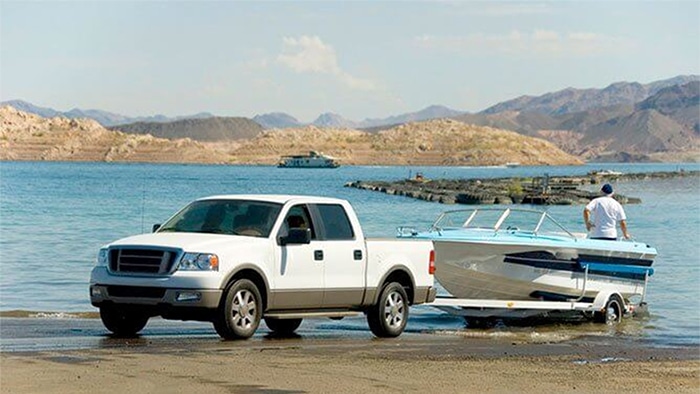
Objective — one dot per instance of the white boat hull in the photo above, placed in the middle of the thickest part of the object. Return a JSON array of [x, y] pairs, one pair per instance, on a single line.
[[477, 270]]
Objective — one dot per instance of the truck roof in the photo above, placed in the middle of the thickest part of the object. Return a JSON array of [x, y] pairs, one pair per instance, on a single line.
[[275, 198]]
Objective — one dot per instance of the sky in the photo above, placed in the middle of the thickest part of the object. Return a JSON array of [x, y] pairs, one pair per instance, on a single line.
[[358, 59]]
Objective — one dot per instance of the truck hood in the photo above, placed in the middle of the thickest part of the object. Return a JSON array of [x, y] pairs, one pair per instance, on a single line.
[[189, 242]]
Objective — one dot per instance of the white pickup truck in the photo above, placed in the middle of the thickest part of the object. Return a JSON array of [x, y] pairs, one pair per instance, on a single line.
[[234, 260]]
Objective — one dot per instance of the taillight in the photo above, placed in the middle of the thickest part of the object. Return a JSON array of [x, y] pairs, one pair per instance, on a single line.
[[431, 263]]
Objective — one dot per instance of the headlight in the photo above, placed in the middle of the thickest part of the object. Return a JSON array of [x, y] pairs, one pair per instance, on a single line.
[[102, 257], [199, 262]]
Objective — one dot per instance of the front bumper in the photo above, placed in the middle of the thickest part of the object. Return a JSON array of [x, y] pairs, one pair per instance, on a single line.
[[150, 296]]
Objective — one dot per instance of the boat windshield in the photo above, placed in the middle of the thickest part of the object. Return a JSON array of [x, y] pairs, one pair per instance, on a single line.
[[232, 217], [524, 220]]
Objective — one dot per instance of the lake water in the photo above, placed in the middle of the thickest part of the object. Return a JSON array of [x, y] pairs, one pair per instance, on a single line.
[[55, 216]]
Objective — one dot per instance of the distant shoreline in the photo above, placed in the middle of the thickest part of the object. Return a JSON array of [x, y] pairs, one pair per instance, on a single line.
[[544, 190], [254, 164]]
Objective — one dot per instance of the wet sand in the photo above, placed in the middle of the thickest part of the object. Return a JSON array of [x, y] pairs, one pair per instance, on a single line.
[[443, 363]]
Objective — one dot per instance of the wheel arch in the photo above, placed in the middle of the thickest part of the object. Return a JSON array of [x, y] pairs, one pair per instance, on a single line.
[[402, 275], [601, 299], [255, 275]]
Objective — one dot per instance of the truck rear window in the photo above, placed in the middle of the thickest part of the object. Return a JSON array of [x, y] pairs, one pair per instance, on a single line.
[[335, 222]]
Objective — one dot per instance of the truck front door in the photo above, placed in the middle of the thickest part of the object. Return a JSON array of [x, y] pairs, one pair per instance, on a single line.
[[298, 275]]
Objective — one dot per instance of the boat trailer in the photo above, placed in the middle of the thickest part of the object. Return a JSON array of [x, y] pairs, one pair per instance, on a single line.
[[607, 306]]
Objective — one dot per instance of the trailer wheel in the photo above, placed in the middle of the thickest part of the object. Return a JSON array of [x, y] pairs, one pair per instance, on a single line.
[[388, 318], [240, 311], [612, 314], [122, 321], [282, 326]]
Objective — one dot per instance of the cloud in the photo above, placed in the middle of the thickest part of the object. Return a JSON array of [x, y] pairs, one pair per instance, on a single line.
[[517, 9], [308, 54], [539, 41]]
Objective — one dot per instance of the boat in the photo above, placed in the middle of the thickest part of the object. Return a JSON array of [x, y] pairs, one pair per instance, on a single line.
[[312, 160], [605, 173], [513, 164], [521, 254]]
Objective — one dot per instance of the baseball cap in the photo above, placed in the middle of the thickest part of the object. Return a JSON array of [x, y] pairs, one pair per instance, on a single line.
[[607, 189]]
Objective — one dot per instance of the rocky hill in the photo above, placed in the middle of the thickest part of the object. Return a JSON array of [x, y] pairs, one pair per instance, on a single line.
[[209, 129], [25, 136], [434, 142]]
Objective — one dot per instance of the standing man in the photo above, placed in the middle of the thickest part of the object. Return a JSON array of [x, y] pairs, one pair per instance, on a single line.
[[606, 213]]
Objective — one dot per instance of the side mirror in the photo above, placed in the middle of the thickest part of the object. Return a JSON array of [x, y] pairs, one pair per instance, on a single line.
[[156, 227], [296, 236]]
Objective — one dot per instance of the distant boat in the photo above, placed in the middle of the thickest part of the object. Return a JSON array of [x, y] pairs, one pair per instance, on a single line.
[[512, 164], [605, 172], [312, 160]]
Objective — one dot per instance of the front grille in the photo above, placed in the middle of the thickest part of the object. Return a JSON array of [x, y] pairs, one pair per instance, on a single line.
[[141, 261], [134, 291]]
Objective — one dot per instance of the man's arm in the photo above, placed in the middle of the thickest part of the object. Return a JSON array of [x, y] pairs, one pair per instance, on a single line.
[[587, 219], [623, 226]]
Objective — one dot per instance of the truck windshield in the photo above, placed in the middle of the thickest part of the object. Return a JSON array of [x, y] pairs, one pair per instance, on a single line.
[[233, 217]]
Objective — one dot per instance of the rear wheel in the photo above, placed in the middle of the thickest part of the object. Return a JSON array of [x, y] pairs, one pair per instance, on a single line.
[[612, 314], [240, 311], [123, 322], [282, 326], [388, 318]]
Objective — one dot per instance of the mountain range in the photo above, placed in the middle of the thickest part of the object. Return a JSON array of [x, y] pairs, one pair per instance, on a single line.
[[29, 137], [666, 121], [623, 121], [104, 118], [216, 128]]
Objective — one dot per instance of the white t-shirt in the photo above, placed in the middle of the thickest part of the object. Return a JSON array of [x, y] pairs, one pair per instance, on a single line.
[[606, 213]]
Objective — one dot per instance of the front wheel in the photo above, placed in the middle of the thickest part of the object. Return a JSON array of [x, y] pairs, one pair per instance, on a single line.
[[388, 318], [123, 322], [240, 311]]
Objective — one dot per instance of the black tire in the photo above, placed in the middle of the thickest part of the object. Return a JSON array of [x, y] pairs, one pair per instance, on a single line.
[[388, 318], [123, 322], [240, 311], [612, 314], [282, 326]]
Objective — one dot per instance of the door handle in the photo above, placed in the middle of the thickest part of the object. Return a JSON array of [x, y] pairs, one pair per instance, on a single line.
[[318, 255], [357, 254]]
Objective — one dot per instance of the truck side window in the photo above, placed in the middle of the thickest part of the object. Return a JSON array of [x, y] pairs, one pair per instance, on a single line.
[[335, 222], [298, 217]]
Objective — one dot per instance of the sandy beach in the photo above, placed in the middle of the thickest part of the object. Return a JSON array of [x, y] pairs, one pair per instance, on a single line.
[[360, 363]]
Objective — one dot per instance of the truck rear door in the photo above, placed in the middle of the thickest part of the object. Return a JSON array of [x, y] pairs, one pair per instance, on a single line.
[[344, 256]]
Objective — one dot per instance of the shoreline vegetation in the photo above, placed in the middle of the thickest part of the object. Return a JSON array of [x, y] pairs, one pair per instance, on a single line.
[[545, 190]]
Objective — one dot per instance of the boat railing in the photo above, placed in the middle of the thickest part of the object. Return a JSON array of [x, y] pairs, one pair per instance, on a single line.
[[445, 220]]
